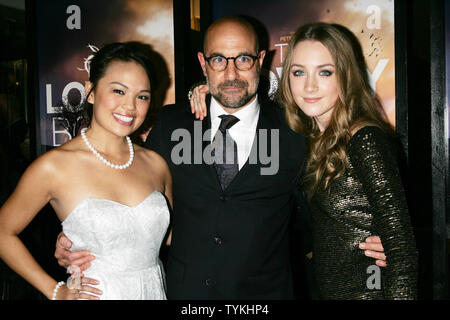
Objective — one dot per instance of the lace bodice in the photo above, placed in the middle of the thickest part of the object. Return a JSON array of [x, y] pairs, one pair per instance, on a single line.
[[125, 241]]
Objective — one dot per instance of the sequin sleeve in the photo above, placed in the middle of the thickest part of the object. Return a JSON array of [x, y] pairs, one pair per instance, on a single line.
[[373, 157]]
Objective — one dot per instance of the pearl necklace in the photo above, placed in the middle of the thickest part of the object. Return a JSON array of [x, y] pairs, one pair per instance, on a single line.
[[99, 156]]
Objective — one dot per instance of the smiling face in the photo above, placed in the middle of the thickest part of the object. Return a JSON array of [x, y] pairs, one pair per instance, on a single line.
[[232, 88], [313, 82], [121, 98]]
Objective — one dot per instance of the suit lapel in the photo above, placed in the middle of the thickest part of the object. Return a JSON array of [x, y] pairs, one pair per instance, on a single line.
[[252, 167], [209, 169]]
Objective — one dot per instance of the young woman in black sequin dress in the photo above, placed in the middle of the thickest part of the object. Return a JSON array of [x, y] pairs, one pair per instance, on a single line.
[[352, 179]]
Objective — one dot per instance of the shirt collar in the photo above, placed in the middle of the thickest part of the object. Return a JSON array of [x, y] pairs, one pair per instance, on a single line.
[[246, 115]]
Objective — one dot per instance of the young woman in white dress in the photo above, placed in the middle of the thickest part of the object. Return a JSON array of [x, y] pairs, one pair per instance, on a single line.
[[116, 206]]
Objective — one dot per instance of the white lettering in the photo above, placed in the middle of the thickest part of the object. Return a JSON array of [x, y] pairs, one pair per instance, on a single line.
[[64, 96], [281, 45], [73, 85], [48, 92], [377, 72], [374, 21], [193, 310], [59, 132]]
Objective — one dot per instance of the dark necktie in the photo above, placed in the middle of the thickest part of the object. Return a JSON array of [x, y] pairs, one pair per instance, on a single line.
[[225, 151]]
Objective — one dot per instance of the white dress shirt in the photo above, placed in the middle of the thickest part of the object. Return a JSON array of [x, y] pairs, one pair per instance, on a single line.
[[243, 132]]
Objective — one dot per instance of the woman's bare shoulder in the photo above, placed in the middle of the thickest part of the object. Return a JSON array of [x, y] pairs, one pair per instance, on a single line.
[[152, 157], [58, 158]]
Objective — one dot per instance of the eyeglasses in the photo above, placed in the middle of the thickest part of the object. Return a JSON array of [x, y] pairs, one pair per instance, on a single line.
[[242, 62]]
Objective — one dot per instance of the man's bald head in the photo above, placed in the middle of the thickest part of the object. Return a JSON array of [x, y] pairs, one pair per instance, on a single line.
[[220, 27], [231, 38]]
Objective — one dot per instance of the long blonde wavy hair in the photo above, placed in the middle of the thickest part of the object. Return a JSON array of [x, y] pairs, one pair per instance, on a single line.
[[356, 106]]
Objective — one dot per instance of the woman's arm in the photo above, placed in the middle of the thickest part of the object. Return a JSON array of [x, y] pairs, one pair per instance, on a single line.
[[32, 193], [373, 157], [30, 196]]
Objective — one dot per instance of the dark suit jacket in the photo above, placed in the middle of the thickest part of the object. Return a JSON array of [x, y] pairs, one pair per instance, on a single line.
[[232, 243]]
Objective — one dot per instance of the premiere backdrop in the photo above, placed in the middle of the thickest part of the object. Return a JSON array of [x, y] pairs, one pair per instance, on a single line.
[[69, 32], [372, 21]]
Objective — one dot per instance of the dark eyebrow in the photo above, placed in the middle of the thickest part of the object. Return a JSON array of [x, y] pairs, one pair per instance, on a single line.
[[216, 54], [326, 65], [121, 84], [321, 66]]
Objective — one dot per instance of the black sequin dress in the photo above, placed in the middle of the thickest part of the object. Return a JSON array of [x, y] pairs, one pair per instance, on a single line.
[[367, 200]]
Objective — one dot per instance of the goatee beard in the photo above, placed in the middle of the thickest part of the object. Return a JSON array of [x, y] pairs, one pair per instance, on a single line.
[[228, 102]]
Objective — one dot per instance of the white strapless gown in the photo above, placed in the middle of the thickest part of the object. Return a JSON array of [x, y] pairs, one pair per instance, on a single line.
[[125, 241]]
